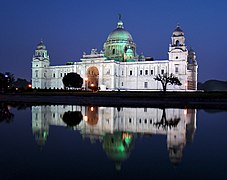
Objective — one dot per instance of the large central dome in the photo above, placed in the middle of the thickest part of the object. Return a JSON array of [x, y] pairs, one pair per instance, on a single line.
[[117, 44], [120, 33]]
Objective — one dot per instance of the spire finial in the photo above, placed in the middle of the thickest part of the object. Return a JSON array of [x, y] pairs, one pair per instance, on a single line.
[[120, 23], [178, 28], [119, 16]]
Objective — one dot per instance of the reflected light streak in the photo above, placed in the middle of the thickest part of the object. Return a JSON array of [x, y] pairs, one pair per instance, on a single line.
[[85, 118]]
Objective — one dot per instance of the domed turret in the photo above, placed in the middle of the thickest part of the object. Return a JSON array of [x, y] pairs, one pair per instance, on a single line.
[[40, 61], [178, 31], [41, 46], [129, 55], [191, 56], [41, 52], [141, 57], [177, 48], [118, 42]]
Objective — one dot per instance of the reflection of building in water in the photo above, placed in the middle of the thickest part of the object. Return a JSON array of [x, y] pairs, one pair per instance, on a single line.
[[44, 116], [117, 127]]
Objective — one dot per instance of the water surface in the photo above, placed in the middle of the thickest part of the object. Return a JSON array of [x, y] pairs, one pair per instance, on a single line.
[[78, 142]]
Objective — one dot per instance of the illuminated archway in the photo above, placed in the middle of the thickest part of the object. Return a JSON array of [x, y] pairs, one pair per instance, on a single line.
[[92, 78]]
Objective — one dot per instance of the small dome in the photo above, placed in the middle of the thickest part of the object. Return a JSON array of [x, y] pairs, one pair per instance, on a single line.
[[41, 46], [129, 52], [141, 57], [178, 31], [191, 50], [120, 33]]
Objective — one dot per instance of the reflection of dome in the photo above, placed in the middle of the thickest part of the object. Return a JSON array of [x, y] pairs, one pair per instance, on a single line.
[[118, 146], [41, 137], [41, 46], [175, 155], [120, 33]]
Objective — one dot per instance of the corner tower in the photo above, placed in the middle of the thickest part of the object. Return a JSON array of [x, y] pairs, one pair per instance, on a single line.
[[183, 62], [177, 48], [40, 62], [119, 44]]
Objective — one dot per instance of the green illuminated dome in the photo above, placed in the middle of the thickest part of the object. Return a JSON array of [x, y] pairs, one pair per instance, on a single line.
[[118, 146], [120, 33], [118, 42], [129, 55]]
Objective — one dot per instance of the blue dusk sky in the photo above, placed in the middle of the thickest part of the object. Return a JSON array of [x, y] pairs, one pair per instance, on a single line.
[[70, 27]]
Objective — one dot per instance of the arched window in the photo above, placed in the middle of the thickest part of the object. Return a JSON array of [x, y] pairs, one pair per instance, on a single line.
[[113, 52], [36, 73], [177, 43]]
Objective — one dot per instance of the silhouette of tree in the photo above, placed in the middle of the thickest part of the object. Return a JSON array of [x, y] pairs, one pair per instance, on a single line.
[[6, 81], [164, 123], [21, 83], [72, 118], [72, 80], [165, 80], [3, 83]]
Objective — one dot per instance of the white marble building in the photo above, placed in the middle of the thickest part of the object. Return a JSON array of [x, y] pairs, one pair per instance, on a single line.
[[119, 67]]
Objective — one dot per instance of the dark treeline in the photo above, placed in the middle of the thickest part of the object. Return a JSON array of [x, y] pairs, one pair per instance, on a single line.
[[9, 84], [213, 85]]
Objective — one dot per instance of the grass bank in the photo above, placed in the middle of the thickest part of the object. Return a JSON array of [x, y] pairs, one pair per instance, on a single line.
[[122, 98]]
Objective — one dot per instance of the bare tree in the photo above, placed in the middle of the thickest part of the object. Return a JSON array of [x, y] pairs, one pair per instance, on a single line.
[[165, 80], [167, 123]]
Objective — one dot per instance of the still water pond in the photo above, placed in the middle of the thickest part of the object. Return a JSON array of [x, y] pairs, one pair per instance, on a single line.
[[78, 142]]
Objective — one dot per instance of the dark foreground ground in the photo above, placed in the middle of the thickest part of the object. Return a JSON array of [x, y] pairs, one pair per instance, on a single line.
[[127, 99]]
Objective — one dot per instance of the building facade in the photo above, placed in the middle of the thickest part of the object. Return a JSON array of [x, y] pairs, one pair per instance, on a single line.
[[119, 67]]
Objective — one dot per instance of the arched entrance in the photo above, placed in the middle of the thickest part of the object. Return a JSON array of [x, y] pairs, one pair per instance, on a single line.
[[92, 80]]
